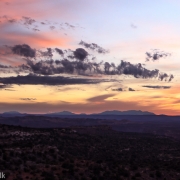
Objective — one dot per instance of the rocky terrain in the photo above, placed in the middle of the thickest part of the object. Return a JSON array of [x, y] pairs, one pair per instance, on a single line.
[[86, 153]]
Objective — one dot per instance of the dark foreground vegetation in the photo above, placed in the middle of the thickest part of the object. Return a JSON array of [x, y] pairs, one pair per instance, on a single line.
[[86, 153]]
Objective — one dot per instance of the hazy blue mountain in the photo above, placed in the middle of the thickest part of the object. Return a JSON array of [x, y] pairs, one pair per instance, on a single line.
[[66, 113], [11, 113], [114, 112], [130, 112]]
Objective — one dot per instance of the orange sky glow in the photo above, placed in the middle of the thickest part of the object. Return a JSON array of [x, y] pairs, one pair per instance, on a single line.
[[40, 79]]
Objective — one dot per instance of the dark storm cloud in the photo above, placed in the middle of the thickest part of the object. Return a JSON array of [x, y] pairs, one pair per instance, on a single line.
[[24, 50], [131, 89], [80, 54], [59, 51], [165, 76], [68, 66], [156, 55], [46, 54], [157, 87], [106, 67], [50, 67], [79, 62], [94, 47], [32, 79], [137, 70]]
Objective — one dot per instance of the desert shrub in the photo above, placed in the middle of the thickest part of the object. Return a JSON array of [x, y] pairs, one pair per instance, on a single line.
[[48, 175], [138, 174], [158, 174]]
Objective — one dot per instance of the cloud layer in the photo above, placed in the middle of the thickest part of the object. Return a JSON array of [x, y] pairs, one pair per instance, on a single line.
[[79, 62], [157, 87], [46, 80]]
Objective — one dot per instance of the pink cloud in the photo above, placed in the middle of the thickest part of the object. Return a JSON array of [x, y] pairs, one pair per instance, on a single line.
[[36, 40], [44, 8]]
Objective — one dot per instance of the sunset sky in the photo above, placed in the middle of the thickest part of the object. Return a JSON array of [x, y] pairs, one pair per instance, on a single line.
[[88, 56]]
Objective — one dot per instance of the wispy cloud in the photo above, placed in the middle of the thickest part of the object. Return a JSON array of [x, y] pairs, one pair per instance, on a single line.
[[156, 55], [131, 89], [94, 47], [100, 98], [46, 80], [157, 87], [28, 99], [118, 89]]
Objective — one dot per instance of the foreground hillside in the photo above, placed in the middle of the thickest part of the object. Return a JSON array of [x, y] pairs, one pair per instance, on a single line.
[[157, 125], [84, 153]]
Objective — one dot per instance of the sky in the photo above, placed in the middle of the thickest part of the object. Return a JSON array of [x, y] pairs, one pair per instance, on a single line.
[[88, 56]]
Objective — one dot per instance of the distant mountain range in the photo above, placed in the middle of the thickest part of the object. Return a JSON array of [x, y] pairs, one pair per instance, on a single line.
[[130, 112], [67, 113], [11, 112], [114, 112]]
